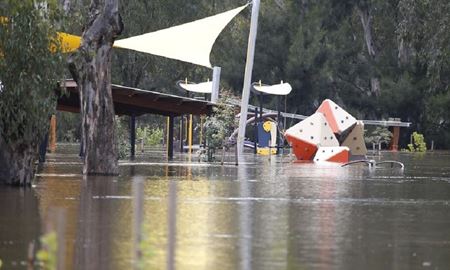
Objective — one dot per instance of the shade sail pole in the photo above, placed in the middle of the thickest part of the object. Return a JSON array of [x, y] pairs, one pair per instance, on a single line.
[[215, 84], [247, 77]]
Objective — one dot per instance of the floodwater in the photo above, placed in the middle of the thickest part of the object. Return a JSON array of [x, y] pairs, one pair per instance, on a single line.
[[263, 214]]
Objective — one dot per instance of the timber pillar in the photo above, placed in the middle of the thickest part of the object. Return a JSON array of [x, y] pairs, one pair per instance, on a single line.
[[393, 146], [52, 134], [132, 136], [170, 127]]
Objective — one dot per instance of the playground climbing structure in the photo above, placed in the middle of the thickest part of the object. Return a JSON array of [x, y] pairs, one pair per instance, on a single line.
[[330, 134]]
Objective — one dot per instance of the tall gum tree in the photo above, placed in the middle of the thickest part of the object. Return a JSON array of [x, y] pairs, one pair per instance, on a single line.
[[90, 66]]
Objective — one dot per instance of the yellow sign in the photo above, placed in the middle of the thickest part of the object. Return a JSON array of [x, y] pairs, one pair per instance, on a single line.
[[265, 151]]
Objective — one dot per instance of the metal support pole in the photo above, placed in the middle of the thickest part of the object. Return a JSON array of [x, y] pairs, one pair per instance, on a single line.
[[215, 84], [279, 135], [181, 133], [261, 100], [201, 131], [170, 120], [190, 134], [132, 135], [248, 77], [256, 131]]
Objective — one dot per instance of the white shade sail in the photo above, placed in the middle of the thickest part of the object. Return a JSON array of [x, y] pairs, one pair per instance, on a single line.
[[277, 89], [204, 87], [190, 42]]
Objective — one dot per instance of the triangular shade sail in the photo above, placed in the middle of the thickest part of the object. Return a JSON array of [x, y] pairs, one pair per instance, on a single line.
[[203, 88], [69, 43], [190, 42], [277, 89]]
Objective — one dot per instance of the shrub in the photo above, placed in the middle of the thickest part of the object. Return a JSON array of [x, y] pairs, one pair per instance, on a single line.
[[418, 143]]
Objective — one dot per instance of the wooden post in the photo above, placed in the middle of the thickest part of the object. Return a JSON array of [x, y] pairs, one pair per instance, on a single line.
[[143, 140], [170, 127], [223, 155], [132, 136], [43, 149], [393, 146], [167, 135], [52, 134], [181, 133]]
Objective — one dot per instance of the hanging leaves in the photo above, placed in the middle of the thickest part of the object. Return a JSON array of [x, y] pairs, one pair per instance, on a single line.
[[29, 71]]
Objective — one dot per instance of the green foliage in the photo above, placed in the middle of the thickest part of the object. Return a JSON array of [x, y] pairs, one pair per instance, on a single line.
[[151, 137], [29, 71], [418, 144], [1, 264], [379, 135], [220, 125], [47, 256]]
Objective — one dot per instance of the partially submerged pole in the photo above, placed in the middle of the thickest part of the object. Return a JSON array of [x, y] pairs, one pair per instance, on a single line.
[[279, 135], [190, 134], [53, 134], [132, 136], [170, 126], [181, 133], [248, 76]]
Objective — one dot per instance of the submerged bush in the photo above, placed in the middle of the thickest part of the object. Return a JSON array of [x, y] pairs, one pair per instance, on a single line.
[[418, 143]]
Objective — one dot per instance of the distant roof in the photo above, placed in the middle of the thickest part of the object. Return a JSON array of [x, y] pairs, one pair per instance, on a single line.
[[129, 100]]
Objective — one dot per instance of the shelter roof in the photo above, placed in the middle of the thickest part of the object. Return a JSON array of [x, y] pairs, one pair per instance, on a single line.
[[129, 100]]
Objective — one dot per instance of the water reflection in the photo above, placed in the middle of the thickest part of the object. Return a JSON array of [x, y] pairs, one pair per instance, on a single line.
[[19, 225], [267, 214], [245, 221], [95, 237]]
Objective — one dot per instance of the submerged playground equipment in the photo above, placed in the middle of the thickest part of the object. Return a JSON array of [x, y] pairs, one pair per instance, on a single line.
[[330, 134]]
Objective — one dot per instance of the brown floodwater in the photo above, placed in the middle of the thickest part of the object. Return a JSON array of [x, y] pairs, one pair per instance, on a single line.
[[262, 214]]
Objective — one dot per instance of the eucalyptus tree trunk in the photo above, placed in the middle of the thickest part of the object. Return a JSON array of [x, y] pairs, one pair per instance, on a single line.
[[91, 68], [17, 163], [366, 21]]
